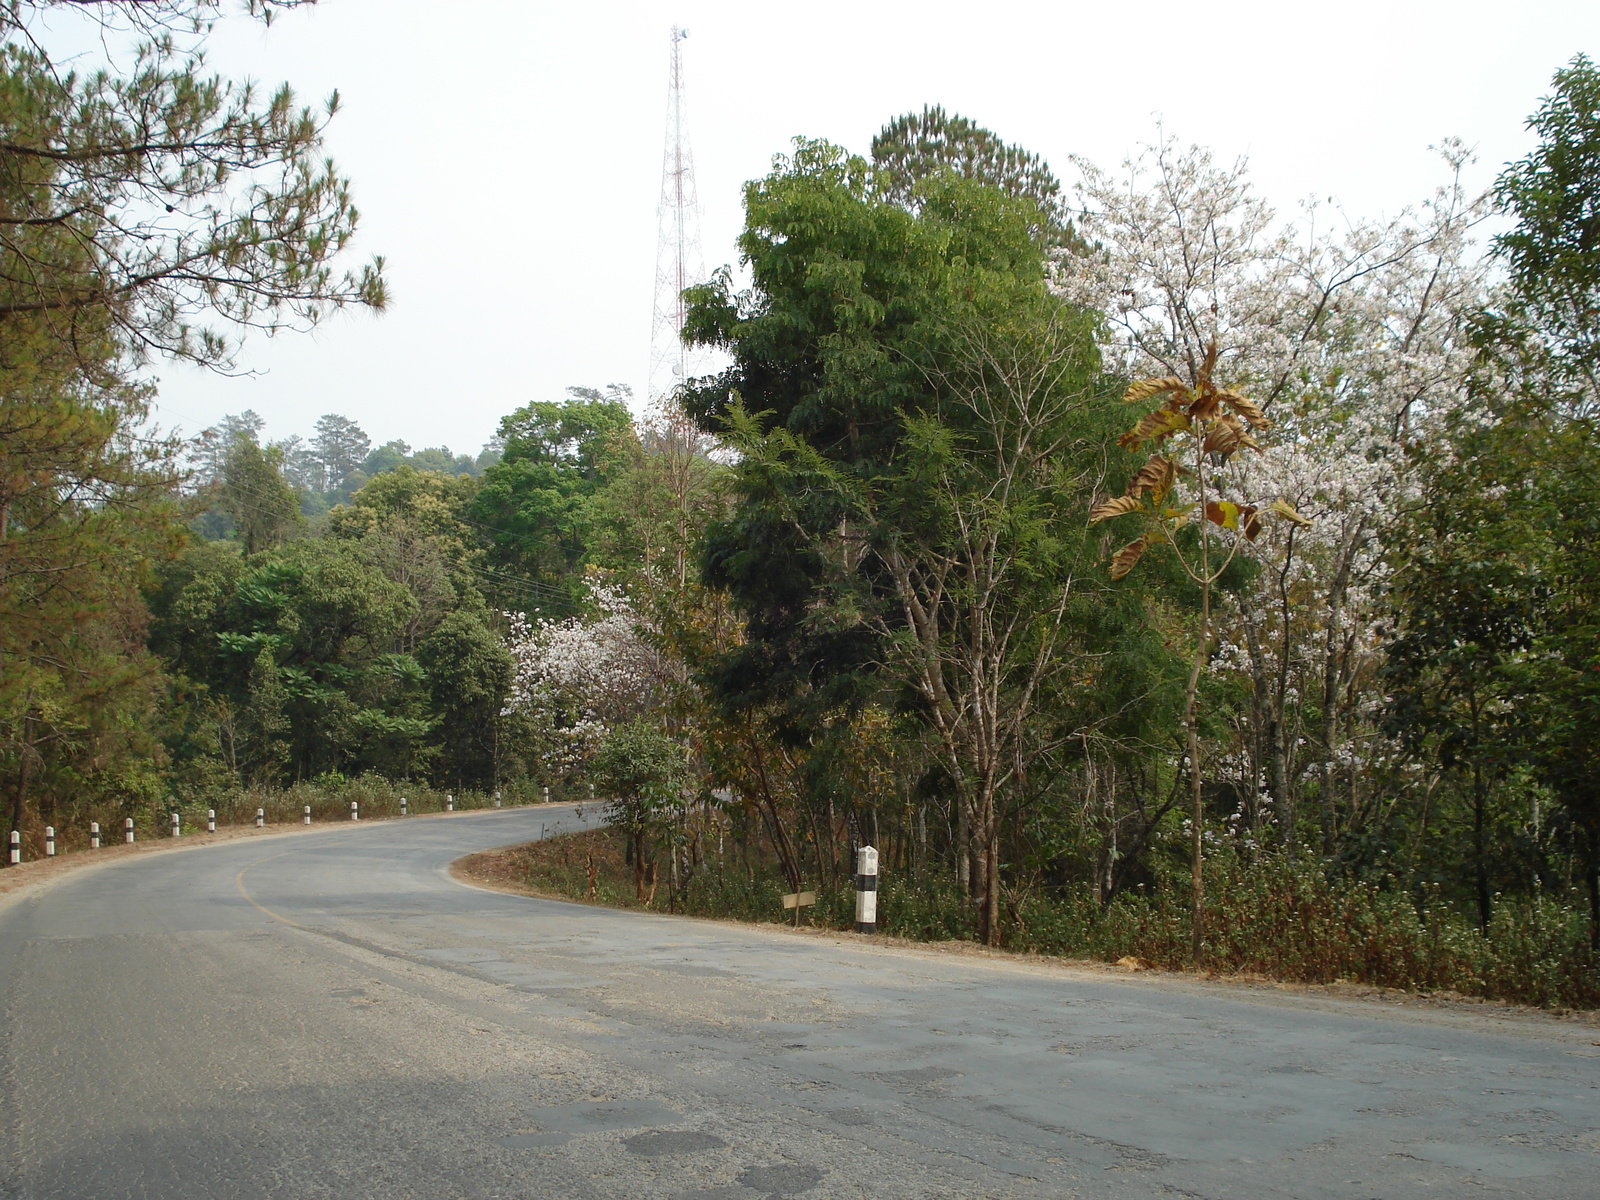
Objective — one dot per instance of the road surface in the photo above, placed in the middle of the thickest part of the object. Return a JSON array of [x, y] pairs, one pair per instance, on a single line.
[[329, 1014]]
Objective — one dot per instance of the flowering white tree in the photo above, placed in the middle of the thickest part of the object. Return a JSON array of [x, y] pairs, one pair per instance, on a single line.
[[581, 676], [1352, 338]]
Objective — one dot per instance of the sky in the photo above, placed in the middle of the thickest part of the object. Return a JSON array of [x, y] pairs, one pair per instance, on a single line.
[[506, 155]]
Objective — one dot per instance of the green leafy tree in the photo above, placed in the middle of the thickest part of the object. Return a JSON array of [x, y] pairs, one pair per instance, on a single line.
[[153, 200], [84, 513], [660, 491], [210, 450], [1494, 662], [1548, 348], [919, 426], [151, 209], [469, 677], [412, 526], [264, 510], [340, 446], [641, 770], [330, 623], [536, 505], [262, 753], [1462, 666], [1553, 254], [916, 146]]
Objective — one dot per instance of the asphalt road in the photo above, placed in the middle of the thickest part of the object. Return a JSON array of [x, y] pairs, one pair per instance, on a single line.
[[331, 1015]]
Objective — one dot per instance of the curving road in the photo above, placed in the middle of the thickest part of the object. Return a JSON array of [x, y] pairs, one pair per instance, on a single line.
[[330, 1015]]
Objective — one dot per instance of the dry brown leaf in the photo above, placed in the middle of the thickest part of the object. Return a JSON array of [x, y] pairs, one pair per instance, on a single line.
[[1157, 475], [1227, 434], [1123, 560], [1144, 388], [1113, 508], [1246, 408], [1160, 424], [1202, 381]]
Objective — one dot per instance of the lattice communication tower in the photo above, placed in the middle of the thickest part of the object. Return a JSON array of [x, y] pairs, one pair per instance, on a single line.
[[678, 257]]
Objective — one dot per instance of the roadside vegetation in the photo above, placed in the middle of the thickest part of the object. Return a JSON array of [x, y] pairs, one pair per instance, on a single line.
[[1275, 919], [1141, 572]]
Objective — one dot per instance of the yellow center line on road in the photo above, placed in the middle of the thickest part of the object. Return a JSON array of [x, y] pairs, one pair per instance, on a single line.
[[238, 882]]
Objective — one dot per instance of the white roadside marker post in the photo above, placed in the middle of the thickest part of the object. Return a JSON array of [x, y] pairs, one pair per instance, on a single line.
[[94, 835], [497, 799], [308, 814], [211, 820], [355, 811], [16, 848], [49, 841], [261, 818], [404, 811], [177, 825], [866, 890], [449, 802], [546, 791], [127, 830]]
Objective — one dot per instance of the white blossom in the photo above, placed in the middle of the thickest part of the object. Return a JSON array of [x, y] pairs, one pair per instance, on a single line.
[[580, 676], [1352, 336]]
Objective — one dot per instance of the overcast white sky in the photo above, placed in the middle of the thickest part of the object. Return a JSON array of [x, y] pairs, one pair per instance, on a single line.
[[506, 155]]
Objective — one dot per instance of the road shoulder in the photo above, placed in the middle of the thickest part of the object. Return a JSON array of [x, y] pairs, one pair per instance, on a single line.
[[492, 870]]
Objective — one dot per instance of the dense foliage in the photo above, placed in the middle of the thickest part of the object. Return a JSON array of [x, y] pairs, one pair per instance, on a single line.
[[873, 582]]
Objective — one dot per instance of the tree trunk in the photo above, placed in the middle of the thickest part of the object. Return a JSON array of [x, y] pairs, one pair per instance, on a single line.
[[1191, 722], [1593, 873], [19, 800], [1480, 868], [991, 886], [963, 847], [769, 808], [1197, 886]]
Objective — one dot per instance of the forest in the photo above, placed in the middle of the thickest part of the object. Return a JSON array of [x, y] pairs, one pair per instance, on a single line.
[[1140, 571]]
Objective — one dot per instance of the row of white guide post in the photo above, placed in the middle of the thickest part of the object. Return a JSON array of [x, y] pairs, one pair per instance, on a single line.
[[211, 824]]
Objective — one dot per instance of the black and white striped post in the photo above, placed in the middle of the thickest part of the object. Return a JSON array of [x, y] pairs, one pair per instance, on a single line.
[[355, 811], [261, 818], [94, 835], [546, 790], [404, 811], [49, 841], [127, 830], [211, 820], [177, 825], [866, 890], [308, 814], [449, 802], [16, 848], [497, 799]]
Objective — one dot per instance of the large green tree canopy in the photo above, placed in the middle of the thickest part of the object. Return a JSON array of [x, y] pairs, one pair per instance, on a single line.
[[148, 207], [921, 424], [837, 344]]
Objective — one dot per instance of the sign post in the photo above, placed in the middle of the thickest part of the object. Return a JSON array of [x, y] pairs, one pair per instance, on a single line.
[[797, 901]]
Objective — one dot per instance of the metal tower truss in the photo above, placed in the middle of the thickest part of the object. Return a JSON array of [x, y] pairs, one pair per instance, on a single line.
[[679, 263]]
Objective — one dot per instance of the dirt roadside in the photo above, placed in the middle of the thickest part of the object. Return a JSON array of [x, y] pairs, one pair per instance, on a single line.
[[496, 870]]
